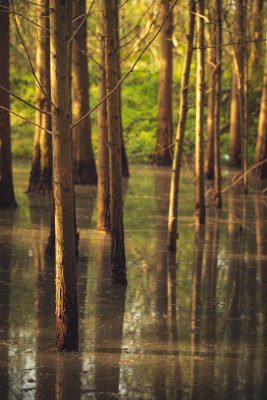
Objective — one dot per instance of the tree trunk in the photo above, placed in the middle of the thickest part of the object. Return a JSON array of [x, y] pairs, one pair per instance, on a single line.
[[118, 262], [257, 34], [177, 159], [103, 217], [41, 171], [7, 197], [209, 160], [261, 146], [217, 106], [84, 163], [66, 292], [236, 114], [200, 88], [164, 130]]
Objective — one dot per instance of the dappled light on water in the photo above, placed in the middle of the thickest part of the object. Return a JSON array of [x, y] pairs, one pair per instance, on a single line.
[[188, 326]]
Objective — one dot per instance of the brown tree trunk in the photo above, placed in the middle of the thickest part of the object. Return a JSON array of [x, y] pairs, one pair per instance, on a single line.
[[164, 130], [200, 88], [66, 292], [209, 160], [236, 113], [41, 171], [103, 218], [7, 197], [177, 158], [257, 34], [217, 106], [261, 146], [118, 262], [84, 163]]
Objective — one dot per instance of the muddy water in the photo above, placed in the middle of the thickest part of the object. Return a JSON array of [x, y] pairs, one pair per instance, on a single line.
[[190, 326]]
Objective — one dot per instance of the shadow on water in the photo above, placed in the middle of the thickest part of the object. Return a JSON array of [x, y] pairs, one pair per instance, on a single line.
[[191, 325]]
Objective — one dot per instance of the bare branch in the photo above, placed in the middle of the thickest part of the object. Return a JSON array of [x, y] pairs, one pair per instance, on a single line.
[[81, 24], [27, 120], [130, 70]]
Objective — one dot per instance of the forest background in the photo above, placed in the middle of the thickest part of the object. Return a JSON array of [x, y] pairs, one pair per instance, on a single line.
[[139, 21]]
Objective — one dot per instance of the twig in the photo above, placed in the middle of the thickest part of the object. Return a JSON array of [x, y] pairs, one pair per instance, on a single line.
[[24, 101], [27, 120], [130, 70], [81, 24]]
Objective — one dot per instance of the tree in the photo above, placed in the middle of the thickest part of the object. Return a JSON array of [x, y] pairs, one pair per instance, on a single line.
[[84, 163], [199, 145], [261, 145], [7, 197], [118, 263], [177, 158], [41, 170], [66, 292], [257, 34], [103, 217], [164, 129]]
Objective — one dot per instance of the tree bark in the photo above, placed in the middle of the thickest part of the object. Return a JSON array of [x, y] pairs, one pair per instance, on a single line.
[[103, 217], [66, 292], [236, 113], [118, 262], [177, 158], [7, 197], [164, 129], [261, 145], [41, 171], [84, 163], [257, 34], [199, 149]]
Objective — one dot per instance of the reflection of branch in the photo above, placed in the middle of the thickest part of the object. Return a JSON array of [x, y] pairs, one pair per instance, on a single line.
[[26, 119], [27, 53], [24, 101], [130, 70]]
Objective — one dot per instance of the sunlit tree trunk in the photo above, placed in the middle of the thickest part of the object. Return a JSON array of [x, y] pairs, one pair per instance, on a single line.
[[7, 197], [118, 262], [199, 149], [177, 158], [41, 171], [66, 292], [261, 146], [84, 163], [217, 106], [211, 61], [103, 217], [164, 129], [236, 113]]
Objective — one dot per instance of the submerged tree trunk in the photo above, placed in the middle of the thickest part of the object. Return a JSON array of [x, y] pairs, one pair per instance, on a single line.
[[118, 262], [261, 146], [41, 171], [177, 159], [236, 113], [164, 129], [66, 292], [199, 149], [7, 197], [84, 163], [103, 218]]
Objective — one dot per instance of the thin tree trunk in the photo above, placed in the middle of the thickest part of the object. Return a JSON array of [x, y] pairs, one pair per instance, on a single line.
[[7, 197], [217, 107], [41, 171], [66, 292], [164, 129], [199, 150], [84, 163], [103, 218], [261, 145], [209, 160], [236, 114], [257, 34], [118, 262], [177, 159]]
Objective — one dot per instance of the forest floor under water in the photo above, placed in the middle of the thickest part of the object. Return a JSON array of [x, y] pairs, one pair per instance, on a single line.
[[188, 326]]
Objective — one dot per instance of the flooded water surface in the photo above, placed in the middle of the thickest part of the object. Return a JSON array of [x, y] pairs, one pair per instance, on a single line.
[[188, 326]]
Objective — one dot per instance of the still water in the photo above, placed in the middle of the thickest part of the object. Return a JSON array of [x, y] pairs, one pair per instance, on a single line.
[[190, 326]]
